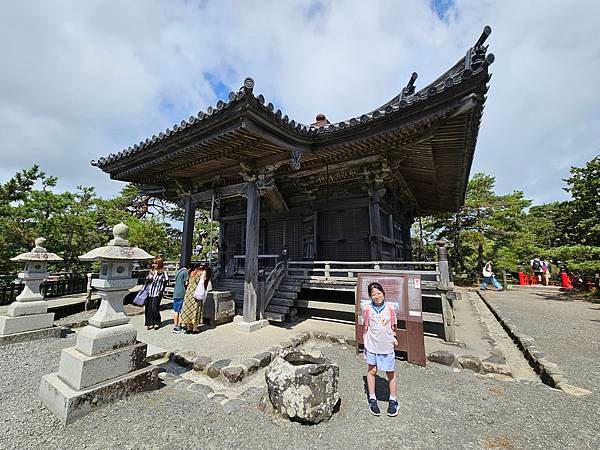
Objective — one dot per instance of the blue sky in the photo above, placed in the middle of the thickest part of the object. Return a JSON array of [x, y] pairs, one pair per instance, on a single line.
[[85, 79], [441, 7]]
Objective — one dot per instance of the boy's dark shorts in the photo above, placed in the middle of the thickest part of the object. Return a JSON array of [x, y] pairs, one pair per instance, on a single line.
[[177, 304]]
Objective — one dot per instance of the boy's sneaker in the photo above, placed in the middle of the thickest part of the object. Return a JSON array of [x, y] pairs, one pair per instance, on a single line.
[[374, 407], [177, 330], [392, 408]]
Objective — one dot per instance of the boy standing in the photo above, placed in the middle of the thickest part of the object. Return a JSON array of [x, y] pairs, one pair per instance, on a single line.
[[181, 278]]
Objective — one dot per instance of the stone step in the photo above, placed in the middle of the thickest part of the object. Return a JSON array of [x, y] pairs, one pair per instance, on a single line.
[[227, 286], [282, 301], [274, 317], [285, 294], [290, 287], [278, 309], [235, 292]]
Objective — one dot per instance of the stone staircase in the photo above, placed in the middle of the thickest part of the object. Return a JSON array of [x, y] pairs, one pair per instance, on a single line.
[[282, 306]]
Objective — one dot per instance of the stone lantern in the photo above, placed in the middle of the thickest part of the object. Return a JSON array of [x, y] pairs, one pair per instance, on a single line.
[[28, 317], [107, 362]]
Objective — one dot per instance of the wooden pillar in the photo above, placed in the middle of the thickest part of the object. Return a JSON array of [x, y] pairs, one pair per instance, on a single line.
[[375, 227], [250, 310], [188, 231]]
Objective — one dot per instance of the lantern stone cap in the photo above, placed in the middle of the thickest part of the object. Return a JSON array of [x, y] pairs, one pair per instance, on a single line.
[[38, 253], [118, 249]]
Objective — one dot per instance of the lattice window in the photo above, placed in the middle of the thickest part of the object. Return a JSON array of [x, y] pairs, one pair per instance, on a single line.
[[344, 251], [343, 235], [294, 238], [351, 224], [232, 237], [293, 230], [385, 224]]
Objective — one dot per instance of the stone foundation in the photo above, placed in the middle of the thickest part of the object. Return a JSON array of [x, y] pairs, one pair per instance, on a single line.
[[69, 404], [45, 333]]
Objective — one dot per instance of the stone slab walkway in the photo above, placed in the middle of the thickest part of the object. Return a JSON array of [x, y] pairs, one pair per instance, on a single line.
[[225, 341], [567, 331]]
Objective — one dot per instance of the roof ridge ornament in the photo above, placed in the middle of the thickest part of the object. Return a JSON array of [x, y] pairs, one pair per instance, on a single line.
[[475, 56], [248, 85], [410, 86]]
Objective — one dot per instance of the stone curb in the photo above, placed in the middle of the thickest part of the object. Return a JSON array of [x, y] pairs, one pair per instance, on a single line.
[[547, 370], [158, 355], [493, 364], [230, 374]]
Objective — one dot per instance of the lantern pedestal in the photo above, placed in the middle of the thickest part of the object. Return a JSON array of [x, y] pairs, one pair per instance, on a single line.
[[107, 362], [29, 311], [28, 317], [69, 404]]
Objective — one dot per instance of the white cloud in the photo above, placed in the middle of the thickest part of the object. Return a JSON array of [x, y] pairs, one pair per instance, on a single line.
[[83, 79]]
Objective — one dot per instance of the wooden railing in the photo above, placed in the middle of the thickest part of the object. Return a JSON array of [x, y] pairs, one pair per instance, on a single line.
[[343, 275], [333, 271], [10, 287], [273, 282], [264, 261]]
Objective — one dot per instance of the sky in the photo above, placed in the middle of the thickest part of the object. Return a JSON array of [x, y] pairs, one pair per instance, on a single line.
[[80, 80]]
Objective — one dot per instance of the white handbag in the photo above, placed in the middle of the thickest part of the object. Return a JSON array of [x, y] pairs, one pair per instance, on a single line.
[[200, 291]]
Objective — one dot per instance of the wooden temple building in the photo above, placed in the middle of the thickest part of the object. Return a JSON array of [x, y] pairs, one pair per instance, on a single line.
[[333, 198]]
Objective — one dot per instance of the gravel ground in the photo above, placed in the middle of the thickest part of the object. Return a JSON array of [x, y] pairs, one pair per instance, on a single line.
[[65, 321], [567, 330], [440, 408]]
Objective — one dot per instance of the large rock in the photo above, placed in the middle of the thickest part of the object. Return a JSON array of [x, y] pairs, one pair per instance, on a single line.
[[252, 365], [213, 370], [233, 374], [263, 358], [442, 357], [201, 363], [470, 362], [185, 359], [303, 385]]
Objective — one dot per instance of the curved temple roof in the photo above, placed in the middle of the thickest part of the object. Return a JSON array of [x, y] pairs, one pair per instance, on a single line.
[[460, 90]]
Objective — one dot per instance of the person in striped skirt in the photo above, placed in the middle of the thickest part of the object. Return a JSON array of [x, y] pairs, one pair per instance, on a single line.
[[156, 281]]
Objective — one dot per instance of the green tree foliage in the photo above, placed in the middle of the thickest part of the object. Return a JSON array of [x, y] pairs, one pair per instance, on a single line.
[[206, 234], [584, 186], [482, 227], [76, 222], [503, 229]]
